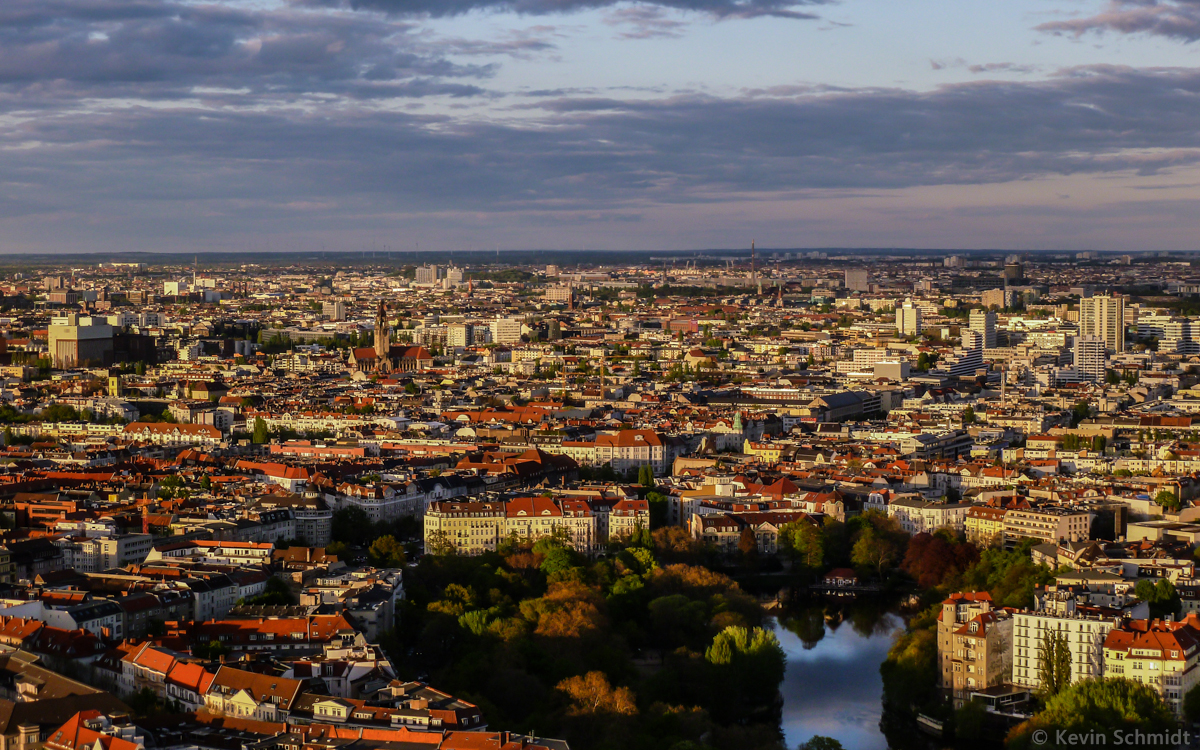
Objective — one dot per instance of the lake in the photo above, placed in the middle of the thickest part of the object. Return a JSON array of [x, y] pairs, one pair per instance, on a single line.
[[832, 685]]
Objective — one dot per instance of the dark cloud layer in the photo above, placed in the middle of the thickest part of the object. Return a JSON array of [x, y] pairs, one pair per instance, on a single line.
[[1175, 19], [163, 49], [608, 153], [210, 118], [442, 8]]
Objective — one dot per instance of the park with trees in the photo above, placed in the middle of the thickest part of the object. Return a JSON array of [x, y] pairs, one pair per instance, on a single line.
[[641, 649]]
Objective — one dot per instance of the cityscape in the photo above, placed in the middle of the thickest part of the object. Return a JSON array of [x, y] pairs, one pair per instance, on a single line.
[[757, 499], [599, 374]]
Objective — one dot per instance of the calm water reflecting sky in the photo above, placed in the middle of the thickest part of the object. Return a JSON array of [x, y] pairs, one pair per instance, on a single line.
[[834, 689]]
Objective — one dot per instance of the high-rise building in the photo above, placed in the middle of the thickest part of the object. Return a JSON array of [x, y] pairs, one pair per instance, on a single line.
[[984, 321], [908, 319], [1104, 317], [1014, 274], [428, 274], [454, 275], [1002, 298], [506, 330], [334, 310], [459, 334], [858, 279], [1091, 359], [968, 359], [1084, 615]]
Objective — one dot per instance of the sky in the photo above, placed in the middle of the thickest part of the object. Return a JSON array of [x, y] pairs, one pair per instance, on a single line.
[[306, 125]]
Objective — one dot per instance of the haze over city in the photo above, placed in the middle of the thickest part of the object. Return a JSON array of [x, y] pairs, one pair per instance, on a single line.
[[161, 125]]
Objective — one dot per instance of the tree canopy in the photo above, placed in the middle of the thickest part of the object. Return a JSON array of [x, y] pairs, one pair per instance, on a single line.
[[1099, 708]]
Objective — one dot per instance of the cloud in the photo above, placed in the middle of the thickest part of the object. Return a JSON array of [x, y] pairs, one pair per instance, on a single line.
[[523, 44], [1000, 67], [591, 154], [1177, 19], [643, 22], [199, 120], [443, 8], [162, 49]]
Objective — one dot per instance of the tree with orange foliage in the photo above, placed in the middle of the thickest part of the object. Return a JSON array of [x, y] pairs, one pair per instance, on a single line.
[[592, 694], [570, 609]]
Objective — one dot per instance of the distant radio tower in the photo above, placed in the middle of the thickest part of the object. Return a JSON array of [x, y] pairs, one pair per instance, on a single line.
[[753, 265]]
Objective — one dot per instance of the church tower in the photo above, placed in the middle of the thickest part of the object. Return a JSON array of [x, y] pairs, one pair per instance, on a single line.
[[382, 338]]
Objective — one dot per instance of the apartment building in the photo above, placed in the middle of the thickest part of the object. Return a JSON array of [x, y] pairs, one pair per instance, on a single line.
[[1104, 317], [984, 525], [248, 695], [471, 527], [1072, 612], [95, 554], [1047, 524], [974, 643], [917, 516], [1163, 655]]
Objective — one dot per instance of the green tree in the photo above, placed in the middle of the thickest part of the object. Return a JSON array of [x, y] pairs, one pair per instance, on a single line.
[[1191, 704], [659, 509], [969, 721], [439, 543], [1054, 664], [144, 702], [337, 549], [260, 434], [874, 551], [969, 416], [386, 552], [1162, 597], [351, 525], [646, 476], [819, 742], [1099, 708], [1168, 501], [803, 543], [750, 663]]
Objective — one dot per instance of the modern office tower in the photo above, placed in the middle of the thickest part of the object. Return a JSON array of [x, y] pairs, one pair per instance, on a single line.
[[1091, 359], [1014, 274], [335, 310], [506, 330], [984, 321], [454, 275], [858, 279], [1104, 317], [908, 319], [428, 274]]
